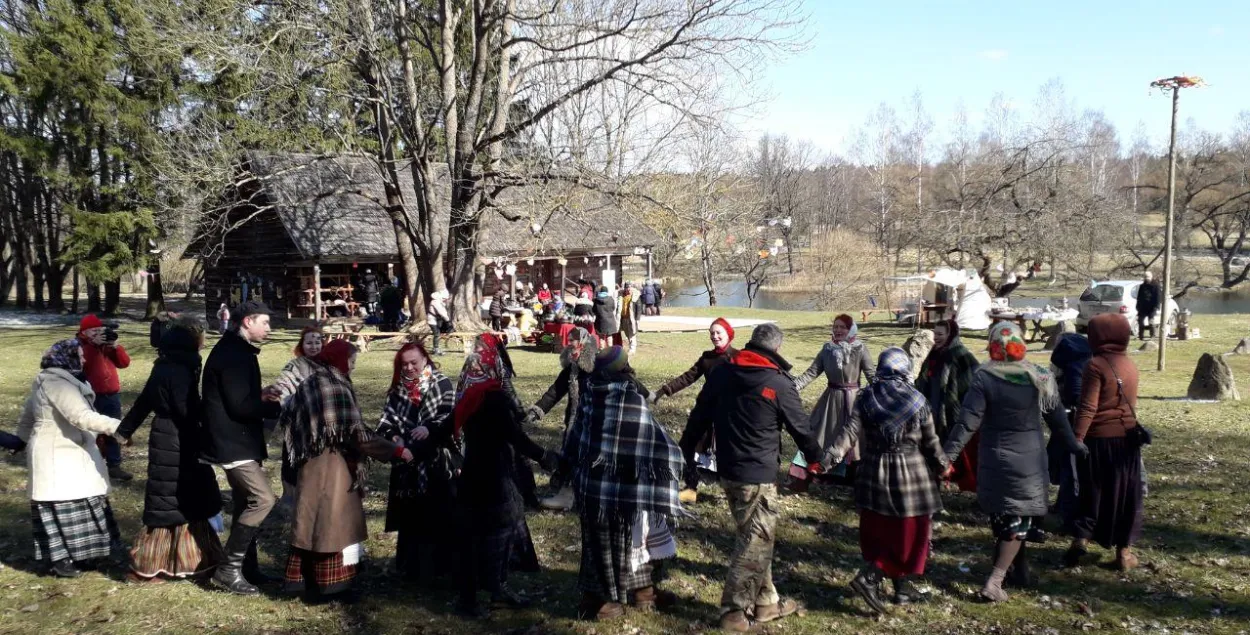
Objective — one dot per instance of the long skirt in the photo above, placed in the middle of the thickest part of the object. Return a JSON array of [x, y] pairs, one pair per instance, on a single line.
[[606, 569], [318, 574], [486, 556], [897, 546], [76, 530], [180, 551], [1110, 493]]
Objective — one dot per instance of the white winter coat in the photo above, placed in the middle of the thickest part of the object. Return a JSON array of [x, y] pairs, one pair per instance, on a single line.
[[59, 425]]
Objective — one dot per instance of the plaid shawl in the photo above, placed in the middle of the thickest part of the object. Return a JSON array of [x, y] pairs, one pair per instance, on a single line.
[[323, 415], [624, 462], [947, 374], [891, 402], [403, 414]]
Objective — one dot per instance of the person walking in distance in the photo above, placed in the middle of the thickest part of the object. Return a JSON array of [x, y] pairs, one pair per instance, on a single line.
[[102, 357], [747, 400], [1147, 305], [233, 424]]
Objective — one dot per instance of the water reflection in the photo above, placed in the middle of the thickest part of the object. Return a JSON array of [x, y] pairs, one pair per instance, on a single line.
[[732, 293]]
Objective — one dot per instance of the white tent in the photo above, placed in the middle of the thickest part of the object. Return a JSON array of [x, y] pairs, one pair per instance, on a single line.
[[973, 307], [962, 290]]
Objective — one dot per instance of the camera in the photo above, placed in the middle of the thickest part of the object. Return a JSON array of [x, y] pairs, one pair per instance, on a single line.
[[110, 333]]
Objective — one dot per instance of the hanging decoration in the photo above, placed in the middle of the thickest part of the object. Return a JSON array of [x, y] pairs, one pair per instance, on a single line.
[[510, 269], [562, 261]]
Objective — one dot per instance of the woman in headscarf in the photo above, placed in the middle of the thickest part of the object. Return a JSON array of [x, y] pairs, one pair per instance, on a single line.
[[1067, 362], [721, 335], [1110, 476], [181, 496], [944, 379], [842, 360], [493, 511], [1007, 401], [327, 443], [68, 485], [417, 416], [302, 366], [625, 477], [607, 322], [896, 484], [577, 361]]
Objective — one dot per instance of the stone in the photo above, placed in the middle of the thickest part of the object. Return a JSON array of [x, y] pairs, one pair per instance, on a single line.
[[917, 347], [1243, 347], [1213, 379], [1147, 346]]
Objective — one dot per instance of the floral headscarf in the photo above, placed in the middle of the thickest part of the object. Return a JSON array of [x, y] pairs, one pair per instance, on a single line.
[[1007, 350], [64, 355], [580, 351], [486, 369]]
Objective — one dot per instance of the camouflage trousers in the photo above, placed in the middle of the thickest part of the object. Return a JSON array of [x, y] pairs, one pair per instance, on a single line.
[[755, 511]]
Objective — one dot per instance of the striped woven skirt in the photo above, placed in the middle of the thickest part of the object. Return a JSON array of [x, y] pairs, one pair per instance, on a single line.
[[76, 530], [318, 574], [178, 552]]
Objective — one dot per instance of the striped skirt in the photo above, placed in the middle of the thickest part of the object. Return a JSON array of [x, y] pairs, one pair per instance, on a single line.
[[318, 574], [76, 530], [178, 552]]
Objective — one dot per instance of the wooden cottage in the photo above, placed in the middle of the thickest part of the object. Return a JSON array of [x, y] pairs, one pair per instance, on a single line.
[[304, 232]]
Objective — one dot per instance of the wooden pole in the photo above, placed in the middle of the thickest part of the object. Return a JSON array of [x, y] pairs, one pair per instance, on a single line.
[[316, 292], [648, 263], [1167, 242]]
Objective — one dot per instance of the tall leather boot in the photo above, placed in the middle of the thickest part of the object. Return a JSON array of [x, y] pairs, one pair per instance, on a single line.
[[251, 567], [229, 574]]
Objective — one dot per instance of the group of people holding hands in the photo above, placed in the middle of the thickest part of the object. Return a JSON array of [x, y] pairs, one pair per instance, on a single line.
[[461, 476]]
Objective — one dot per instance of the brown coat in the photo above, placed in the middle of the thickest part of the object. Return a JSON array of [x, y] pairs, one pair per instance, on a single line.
[[1103, 412], [329, 509]]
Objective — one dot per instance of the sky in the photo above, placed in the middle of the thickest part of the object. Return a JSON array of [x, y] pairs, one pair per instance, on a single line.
[[1106, 53]]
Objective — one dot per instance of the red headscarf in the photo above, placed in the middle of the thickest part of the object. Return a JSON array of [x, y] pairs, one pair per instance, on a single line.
[[729, 330], [299, 347], [484, 371], [337, 354]]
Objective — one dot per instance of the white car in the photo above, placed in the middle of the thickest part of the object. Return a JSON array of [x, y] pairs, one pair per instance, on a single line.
[[1116, 296]]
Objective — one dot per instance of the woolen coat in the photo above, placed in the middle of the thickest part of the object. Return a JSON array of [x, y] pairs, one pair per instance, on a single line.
[[180, 489], [833, 409], [898, 480], [1012, 472], [59, 425], [607, 322]]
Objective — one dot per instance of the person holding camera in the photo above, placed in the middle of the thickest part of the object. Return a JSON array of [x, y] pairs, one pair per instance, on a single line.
[[233, 424], [102, 357]]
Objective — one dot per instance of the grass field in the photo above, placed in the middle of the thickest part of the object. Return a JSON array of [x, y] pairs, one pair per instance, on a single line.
[[1196, 550]]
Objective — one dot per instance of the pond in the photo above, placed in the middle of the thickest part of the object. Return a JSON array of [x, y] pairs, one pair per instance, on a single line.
[[733, 293]]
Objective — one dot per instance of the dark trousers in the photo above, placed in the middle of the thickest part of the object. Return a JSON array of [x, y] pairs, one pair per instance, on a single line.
[[1142, 326], [109, 405], [253, 497]]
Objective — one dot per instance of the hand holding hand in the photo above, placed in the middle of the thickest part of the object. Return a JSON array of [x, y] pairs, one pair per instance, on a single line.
[[815, 468], [948, 472], [124, 441], [406, 455], [534, 414], [421, 433], [1081, 450], [654, 398], [550, 461], [270, 394]]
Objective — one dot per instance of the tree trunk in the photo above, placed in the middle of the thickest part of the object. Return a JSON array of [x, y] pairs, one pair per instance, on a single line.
[[55, 280], [709, 280], [93, 297], [156, 291], [36, 272], [197, 274], [74, 307], [6, 282], [112, 296]]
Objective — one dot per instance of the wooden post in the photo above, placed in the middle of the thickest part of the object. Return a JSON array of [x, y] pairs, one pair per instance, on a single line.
[[648, 263], [564, 275], [1162, 326], [316, 292]]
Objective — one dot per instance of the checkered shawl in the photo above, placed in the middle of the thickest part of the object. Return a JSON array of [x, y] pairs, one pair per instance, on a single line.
[[891, 402], [623, 461], [400, 416], [322, 415]]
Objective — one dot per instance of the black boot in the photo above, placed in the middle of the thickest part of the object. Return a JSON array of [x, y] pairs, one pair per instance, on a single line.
[[251, 567], [229, 574], [867, 584], [64, 569], [905, 592]]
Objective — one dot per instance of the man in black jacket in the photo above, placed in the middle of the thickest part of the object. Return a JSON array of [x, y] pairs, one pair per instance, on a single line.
[[233, 423], [1147, 303], [747, 401]]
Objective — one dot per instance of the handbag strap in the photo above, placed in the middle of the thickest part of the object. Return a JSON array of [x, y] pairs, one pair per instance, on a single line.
[[1119, 384]]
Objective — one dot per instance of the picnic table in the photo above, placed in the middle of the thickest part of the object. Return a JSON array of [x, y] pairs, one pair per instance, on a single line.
[[1024, 317]]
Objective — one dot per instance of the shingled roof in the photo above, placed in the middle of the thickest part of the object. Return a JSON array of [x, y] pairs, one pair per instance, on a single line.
[[332, 208]]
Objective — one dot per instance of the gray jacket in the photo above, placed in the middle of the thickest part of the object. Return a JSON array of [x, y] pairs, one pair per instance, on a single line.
[[1012, 474]]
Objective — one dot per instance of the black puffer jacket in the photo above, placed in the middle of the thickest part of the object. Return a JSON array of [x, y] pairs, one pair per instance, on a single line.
[[607, 322], [180, 489]]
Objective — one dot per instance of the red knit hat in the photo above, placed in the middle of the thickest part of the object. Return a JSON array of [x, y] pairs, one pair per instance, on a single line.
[[90, 321], [729, 330]]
